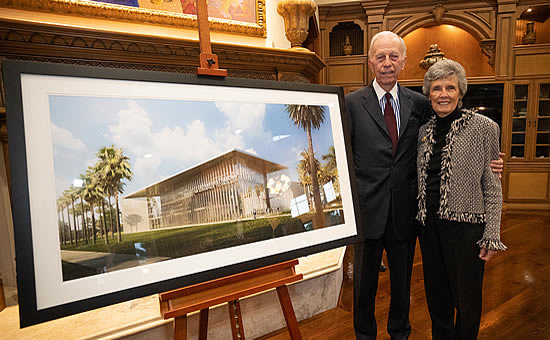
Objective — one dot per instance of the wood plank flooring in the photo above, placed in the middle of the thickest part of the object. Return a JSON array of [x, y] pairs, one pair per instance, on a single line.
[[516, 292]]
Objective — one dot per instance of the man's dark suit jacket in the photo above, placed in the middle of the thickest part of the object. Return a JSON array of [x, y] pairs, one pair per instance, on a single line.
[[381, 178]]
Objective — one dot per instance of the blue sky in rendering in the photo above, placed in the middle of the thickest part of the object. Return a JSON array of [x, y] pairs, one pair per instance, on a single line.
[[164, 137]]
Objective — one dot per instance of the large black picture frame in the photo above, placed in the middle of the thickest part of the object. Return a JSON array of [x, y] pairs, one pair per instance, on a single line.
[[30, 86]]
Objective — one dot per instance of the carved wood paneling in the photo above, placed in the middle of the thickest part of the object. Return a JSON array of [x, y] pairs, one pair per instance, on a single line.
[[73, 45], [528, 185], [532, 63], [347, 71]]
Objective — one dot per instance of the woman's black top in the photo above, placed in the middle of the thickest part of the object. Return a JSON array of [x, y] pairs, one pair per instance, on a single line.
[[442, 127]]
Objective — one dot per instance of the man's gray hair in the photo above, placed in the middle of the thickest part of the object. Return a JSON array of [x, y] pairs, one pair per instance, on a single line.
[[391, 35], [443, 69]]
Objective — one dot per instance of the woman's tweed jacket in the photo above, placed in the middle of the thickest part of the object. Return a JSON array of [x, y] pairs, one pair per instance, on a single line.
[[469, 190]]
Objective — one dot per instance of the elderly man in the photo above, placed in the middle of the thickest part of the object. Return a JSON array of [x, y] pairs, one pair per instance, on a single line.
[[385, 118]]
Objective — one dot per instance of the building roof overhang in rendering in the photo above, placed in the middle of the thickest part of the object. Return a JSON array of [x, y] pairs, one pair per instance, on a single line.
[[253, 162]]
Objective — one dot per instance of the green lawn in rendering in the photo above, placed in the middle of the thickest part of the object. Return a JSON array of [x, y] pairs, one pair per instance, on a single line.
[[174, 243]]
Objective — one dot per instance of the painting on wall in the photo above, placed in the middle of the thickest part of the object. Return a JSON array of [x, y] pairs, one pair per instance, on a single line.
[[232, 16], [139, 182]]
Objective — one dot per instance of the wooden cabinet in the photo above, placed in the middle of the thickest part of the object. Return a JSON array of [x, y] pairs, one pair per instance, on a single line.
[[527, 180], [519, 121], [542, 120], [530, 132]]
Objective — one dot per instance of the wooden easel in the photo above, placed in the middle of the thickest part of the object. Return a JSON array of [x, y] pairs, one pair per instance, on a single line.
[[208, 60], [178, 303]]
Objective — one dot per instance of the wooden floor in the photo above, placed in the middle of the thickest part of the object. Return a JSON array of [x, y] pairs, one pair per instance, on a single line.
[[516, 292]]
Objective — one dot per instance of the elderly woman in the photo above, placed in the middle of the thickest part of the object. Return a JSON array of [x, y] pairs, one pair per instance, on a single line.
[[459, 201]]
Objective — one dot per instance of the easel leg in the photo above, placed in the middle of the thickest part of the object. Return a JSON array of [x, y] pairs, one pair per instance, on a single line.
[[203, 324], [180, 328], [288, 312], [236, 320]]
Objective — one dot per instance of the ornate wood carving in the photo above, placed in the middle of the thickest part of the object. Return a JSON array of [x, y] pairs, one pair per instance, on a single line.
[[488, 46], [296, 15], [72, 45], [438, 12], [433, 55]]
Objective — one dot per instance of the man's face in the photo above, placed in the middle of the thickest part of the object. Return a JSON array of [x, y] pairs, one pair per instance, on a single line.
[[386, 60]]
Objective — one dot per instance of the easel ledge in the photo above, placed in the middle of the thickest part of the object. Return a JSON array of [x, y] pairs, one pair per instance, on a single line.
[[178, 303]]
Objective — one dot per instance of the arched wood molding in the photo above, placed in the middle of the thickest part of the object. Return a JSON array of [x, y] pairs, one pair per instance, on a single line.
[[469, 21], [330, 26]]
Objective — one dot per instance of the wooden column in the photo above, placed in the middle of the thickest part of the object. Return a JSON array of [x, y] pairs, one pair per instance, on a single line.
[[375, 23], [324, 36], [506, 26]]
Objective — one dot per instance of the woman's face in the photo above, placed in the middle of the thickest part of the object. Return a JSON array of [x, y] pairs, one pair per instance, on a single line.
[[444, 95]]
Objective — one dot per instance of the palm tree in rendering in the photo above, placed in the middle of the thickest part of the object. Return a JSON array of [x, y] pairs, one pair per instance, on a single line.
[[105, 230], [114, 167], [66, 201], [304, 174], [330, 169], [69, 199], [93, 194], [308, 117], [79, 191], [61, 218]]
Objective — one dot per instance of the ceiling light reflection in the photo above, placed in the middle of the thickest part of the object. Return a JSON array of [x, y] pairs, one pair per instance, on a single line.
[[77, 182], [280, 137]]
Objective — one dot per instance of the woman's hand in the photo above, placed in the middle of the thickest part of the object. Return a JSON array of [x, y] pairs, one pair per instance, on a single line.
[[486, 254]]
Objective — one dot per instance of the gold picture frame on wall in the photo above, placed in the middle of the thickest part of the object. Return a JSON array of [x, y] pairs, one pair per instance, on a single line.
[[246, 17]]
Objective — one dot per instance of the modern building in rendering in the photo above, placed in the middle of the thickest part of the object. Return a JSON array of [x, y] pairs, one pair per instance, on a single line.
[[228, 187]]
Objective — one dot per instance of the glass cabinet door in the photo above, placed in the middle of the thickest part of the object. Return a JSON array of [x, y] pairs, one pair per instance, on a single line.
[[542, 143], [519, 120]]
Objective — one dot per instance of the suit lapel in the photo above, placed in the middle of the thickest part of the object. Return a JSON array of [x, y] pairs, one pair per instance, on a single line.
[[372, 106], [405, 108]]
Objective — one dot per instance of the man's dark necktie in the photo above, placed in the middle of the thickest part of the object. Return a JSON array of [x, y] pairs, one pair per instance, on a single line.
[[391, 124]]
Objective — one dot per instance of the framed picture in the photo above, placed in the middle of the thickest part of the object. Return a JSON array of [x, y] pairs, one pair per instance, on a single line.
[[127, 183], [240, 16]]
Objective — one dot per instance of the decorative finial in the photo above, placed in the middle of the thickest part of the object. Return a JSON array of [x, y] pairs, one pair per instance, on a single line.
[[433, 55], [348, 47]]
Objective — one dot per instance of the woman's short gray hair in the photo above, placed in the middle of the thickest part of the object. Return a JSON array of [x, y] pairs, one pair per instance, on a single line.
[[443, 69]]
